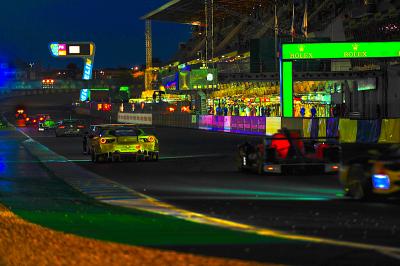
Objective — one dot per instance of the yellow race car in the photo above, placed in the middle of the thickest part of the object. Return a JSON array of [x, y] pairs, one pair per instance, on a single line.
[[117, 142], [373, 176]]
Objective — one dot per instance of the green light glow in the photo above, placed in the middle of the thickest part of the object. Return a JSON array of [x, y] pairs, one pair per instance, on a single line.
[[100, 89], [287, 91], [310, 51], [286, 194]]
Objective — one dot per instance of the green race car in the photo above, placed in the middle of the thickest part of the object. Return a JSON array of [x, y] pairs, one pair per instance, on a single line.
[[117, 142], [47, 124], [3, 123]]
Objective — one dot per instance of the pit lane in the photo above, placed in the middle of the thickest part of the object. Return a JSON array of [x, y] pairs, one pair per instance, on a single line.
[[189, 178]]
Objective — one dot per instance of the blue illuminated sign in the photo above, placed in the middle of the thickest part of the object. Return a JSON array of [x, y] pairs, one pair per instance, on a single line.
[[87, 71], [84, 95]]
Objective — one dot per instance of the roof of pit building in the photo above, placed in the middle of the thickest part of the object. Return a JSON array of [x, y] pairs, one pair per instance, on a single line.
[[193, 11]]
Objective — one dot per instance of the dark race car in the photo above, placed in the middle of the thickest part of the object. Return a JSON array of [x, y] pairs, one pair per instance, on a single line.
[[70, 127], [287, 153], [35, 120], [47, 124], [3, 122], [20, 116], [376, 174]]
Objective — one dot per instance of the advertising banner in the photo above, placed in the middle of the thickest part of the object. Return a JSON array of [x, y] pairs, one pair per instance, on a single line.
[[140, 119]]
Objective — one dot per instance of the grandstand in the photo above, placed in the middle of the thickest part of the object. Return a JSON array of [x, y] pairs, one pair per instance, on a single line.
[[239, 22], [244, 38]]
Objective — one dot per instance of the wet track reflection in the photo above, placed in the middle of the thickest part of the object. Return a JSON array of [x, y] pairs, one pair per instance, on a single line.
[[197, 172], [188, 178]]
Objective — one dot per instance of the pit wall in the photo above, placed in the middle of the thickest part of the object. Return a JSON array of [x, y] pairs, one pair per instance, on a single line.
[[348, 130]]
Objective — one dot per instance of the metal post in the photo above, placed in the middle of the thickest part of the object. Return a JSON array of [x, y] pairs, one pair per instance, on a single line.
[[276, 40], [206, 25]]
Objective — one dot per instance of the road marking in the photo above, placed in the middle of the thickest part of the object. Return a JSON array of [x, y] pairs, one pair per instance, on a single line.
[[168, 209], [192, 156], [123, 196]]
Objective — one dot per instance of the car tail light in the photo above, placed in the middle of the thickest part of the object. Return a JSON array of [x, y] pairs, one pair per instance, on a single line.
[[106, 141], [137, 147], [34, 121], [41, 119], [151, 139], [81, 126], [27, 119], [61, 126]]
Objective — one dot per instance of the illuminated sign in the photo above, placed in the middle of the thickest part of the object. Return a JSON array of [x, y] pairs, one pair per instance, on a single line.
[[74, 49], [310, 51], [84, 50], [203, 78], [71, 49], [366, 84], [85, 95], [88, 69]]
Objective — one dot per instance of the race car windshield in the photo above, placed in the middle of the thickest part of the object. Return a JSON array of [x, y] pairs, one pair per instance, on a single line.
[[123, 132]]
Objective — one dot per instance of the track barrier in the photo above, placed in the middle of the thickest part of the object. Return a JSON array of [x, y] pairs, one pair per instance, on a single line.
[[348, 130]]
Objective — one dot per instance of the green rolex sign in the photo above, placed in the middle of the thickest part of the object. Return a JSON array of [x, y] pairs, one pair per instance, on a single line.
[[311, 51]]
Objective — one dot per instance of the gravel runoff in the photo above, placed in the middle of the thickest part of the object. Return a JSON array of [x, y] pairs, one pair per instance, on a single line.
[[24, 243]]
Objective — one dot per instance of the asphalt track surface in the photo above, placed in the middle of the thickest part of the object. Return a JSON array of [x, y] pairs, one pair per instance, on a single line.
[[197, 172]]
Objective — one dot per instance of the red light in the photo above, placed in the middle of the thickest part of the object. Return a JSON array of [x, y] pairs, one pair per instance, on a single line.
[[27, 119], [41, 119], [103, 141], [335, 167], [34, 121], [80, 126], [61, 126], [138, 147], [171, 109], [185, 109]]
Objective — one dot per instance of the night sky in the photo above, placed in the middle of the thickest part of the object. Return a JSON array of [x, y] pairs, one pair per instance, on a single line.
[[28, 26]]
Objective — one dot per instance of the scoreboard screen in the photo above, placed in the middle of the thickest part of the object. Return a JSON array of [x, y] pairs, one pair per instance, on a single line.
[[71, 49]]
